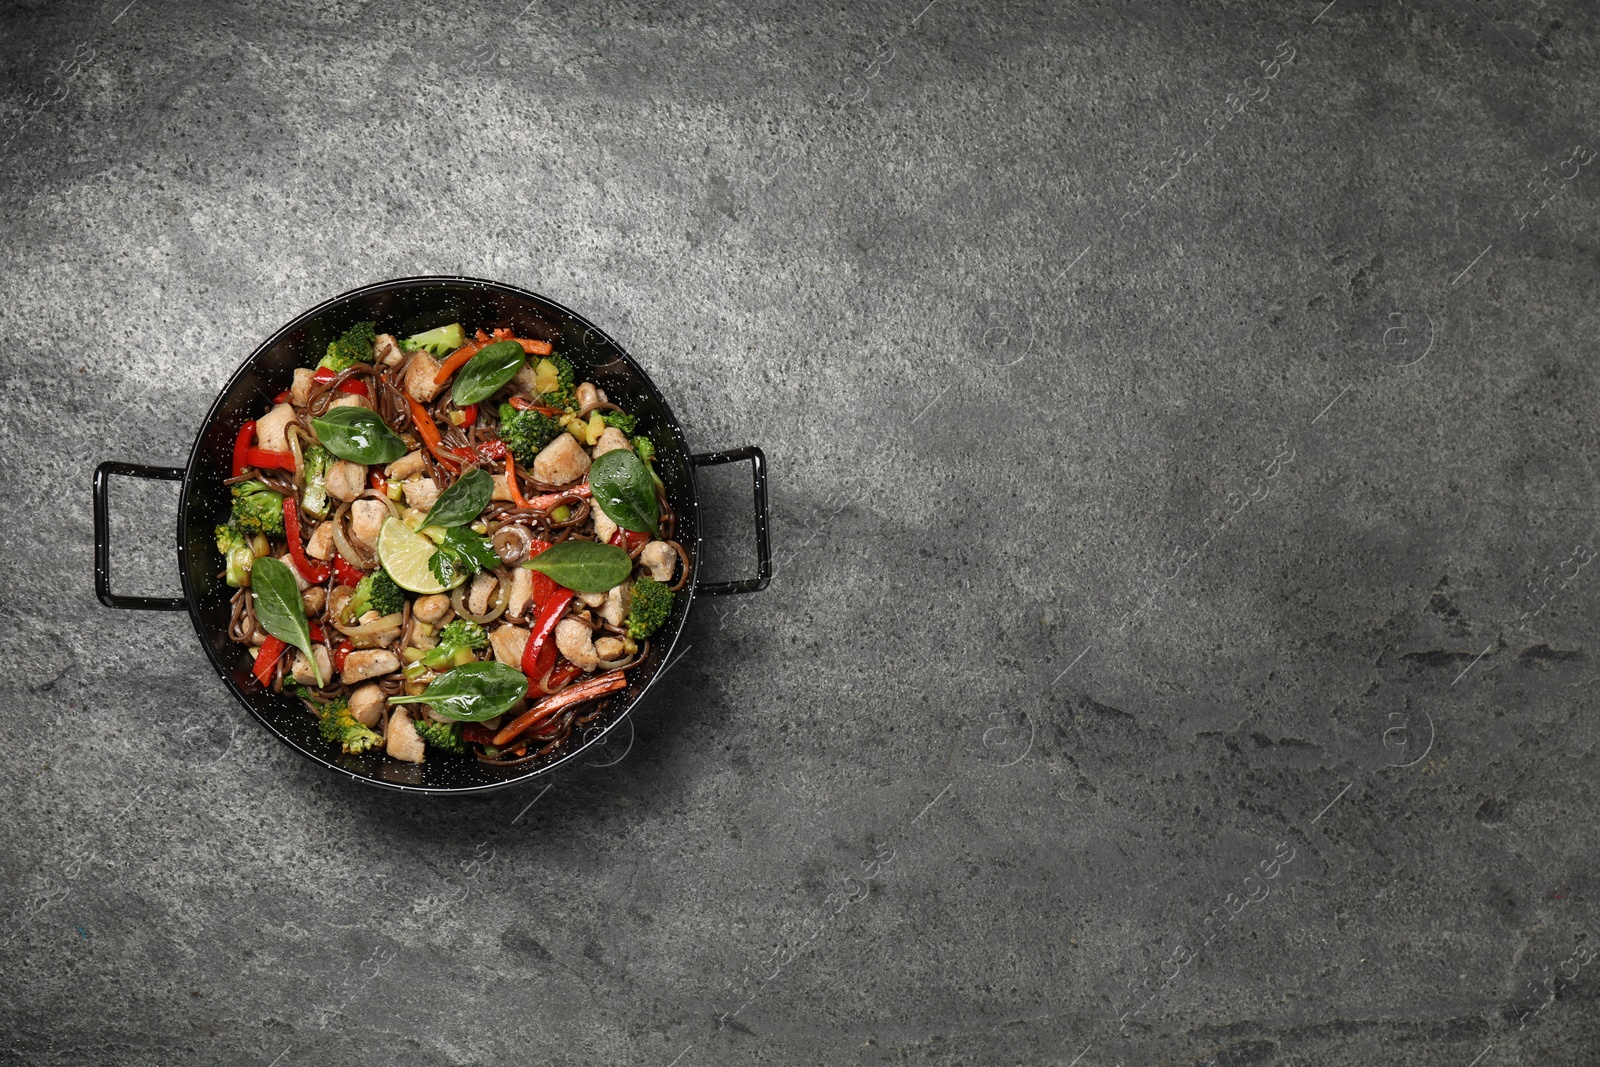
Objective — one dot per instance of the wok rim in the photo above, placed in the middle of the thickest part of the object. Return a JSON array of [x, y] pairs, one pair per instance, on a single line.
[[662, 652]]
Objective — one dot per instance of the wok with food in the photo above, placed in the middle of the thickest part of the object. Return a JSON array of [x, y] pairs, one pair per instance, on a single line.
[[460, 547]]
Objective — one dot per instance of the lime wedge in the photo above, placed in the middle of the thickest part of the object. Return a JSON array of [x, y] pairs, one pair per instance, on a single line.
[[405, 554]]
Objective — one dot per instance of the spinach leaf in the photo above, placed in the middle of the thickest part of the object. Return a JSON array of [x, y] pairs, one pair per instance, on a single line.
[[584, 566], [279, 608], [462, 552], [472, 693], [467, 496], [623, 489], [358, 435], [492, 367]]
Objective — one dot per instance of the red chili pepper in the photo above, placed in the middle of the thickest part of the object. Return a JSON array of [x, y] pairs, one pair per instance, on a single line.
[[628, 539], [343, 649], [346, 574], [241, 445], [311, 570], [492, 451], [268, 460], [267, 659]]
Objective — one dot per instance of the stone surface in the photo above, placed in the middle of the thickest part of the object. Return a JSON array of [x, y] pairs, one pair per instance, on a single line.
[[1183, 499]]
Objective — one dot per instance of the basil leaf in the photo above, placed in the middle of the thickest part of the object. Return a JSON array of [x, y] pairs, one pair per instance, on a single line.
[[467, 496], [623, 489], [358, 435], [492, 367], [584, 566], [279, 609], [472, 693]]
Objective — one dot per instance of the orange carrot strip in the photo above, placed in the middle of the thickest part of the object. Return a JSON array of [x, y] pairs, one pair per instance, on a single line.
[[549, 499], [429, 432], [458, 359], [511, 480], [573, 694]]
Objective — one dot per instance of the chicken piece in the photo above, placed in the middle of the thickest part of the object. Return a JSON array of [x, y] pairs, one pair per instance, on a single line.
[[561, 462], [272, 428], [298, 579], [430, 609], [610, 648], [386, 351], [302, 667], [575, 641], [521, 592], [366, 704], [300, 391], [375, 640], [313, 599], [368, 663], [407, 466], [420, 493], [526, 380], [366, 519], [616, 605], [418, 382], [320, 544], [592, 600], [502, 491], [589, 393], [660, 559], [347, 480], [349, 400], [604, 528], [508, 643], [483, 587], [611, 440], [401, 740]]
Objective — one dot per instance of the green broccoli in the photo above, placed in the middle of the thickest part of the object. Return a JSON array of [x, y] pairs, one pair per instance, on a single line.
[[645, 447], [337, 724], [440, 341], [257, 509], [315, 498], [525, 432], [624, 422], [234, 545], [457, 642], [376, 592], [652, 602], [354, 346], [444, 736], [564, 395]]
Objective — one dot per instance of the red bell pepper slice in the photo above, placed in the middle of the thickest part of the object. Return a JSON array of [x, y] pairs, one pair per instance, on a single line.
[[539, 654], [378, 482], [343, 649], [493, 451], [346, 574], [628, 539], [469, 415], [317, 633], [267, 659], [281, 397], [241, 445], [522, 403], [268, 460], [349, 385], [312, 571]]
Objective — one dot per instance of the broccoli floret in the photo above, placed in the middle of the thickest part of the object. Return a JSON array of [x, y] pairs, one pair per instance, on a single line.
[[337, 724], [461, 634], [652, 602], [624, 422], [355, 346], [645, 447], [257, 509], [565, 393], [525, 432], [234, 544], [439, 341], [444, 736], [315, 498], [376, 592]]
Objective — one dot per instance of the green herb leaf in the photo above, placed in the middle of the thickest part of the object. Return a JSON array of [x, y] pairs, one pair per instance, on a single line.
[[584, 566], [279, 608], [467, 496], [359, 435], [462, 552], [624, 490], [492, 367], [472, 693]]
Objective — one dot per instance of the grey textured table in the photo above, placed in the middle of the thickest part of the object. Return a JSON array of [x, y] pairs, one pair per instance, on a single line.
[[1183, 486]]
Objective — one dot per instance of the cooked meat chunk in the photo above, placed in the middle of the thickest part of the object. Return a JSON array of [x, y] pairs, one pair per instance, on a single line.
[[420, 493], [616, 606], [420, 372], [368, 663], [660, 559], [320, 544], [366, 519], [407, 466], [401, 740], [508, 643], [347, 480], [483, 587], [300, 391], [575, 641], [521, 592], [604, 528], [561, 462], [611, 440], [302, 667], [430, 609], [366, 704], [386, 351], [313, 599], [610, 648], [272, 428]]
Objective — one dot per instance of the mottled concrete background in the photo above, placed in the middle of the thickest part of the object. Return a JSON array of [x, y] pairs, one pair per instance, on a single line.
[[1183, 486]]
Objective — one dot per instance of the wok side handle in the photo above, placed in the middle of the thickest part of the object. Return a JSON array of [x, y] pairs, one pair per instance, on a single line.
[[763, 578], [102, 536]]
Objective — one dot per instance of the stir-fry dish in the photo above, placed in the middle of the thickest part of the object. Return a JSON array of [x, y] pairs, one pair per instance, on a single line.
[[447, 543]]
